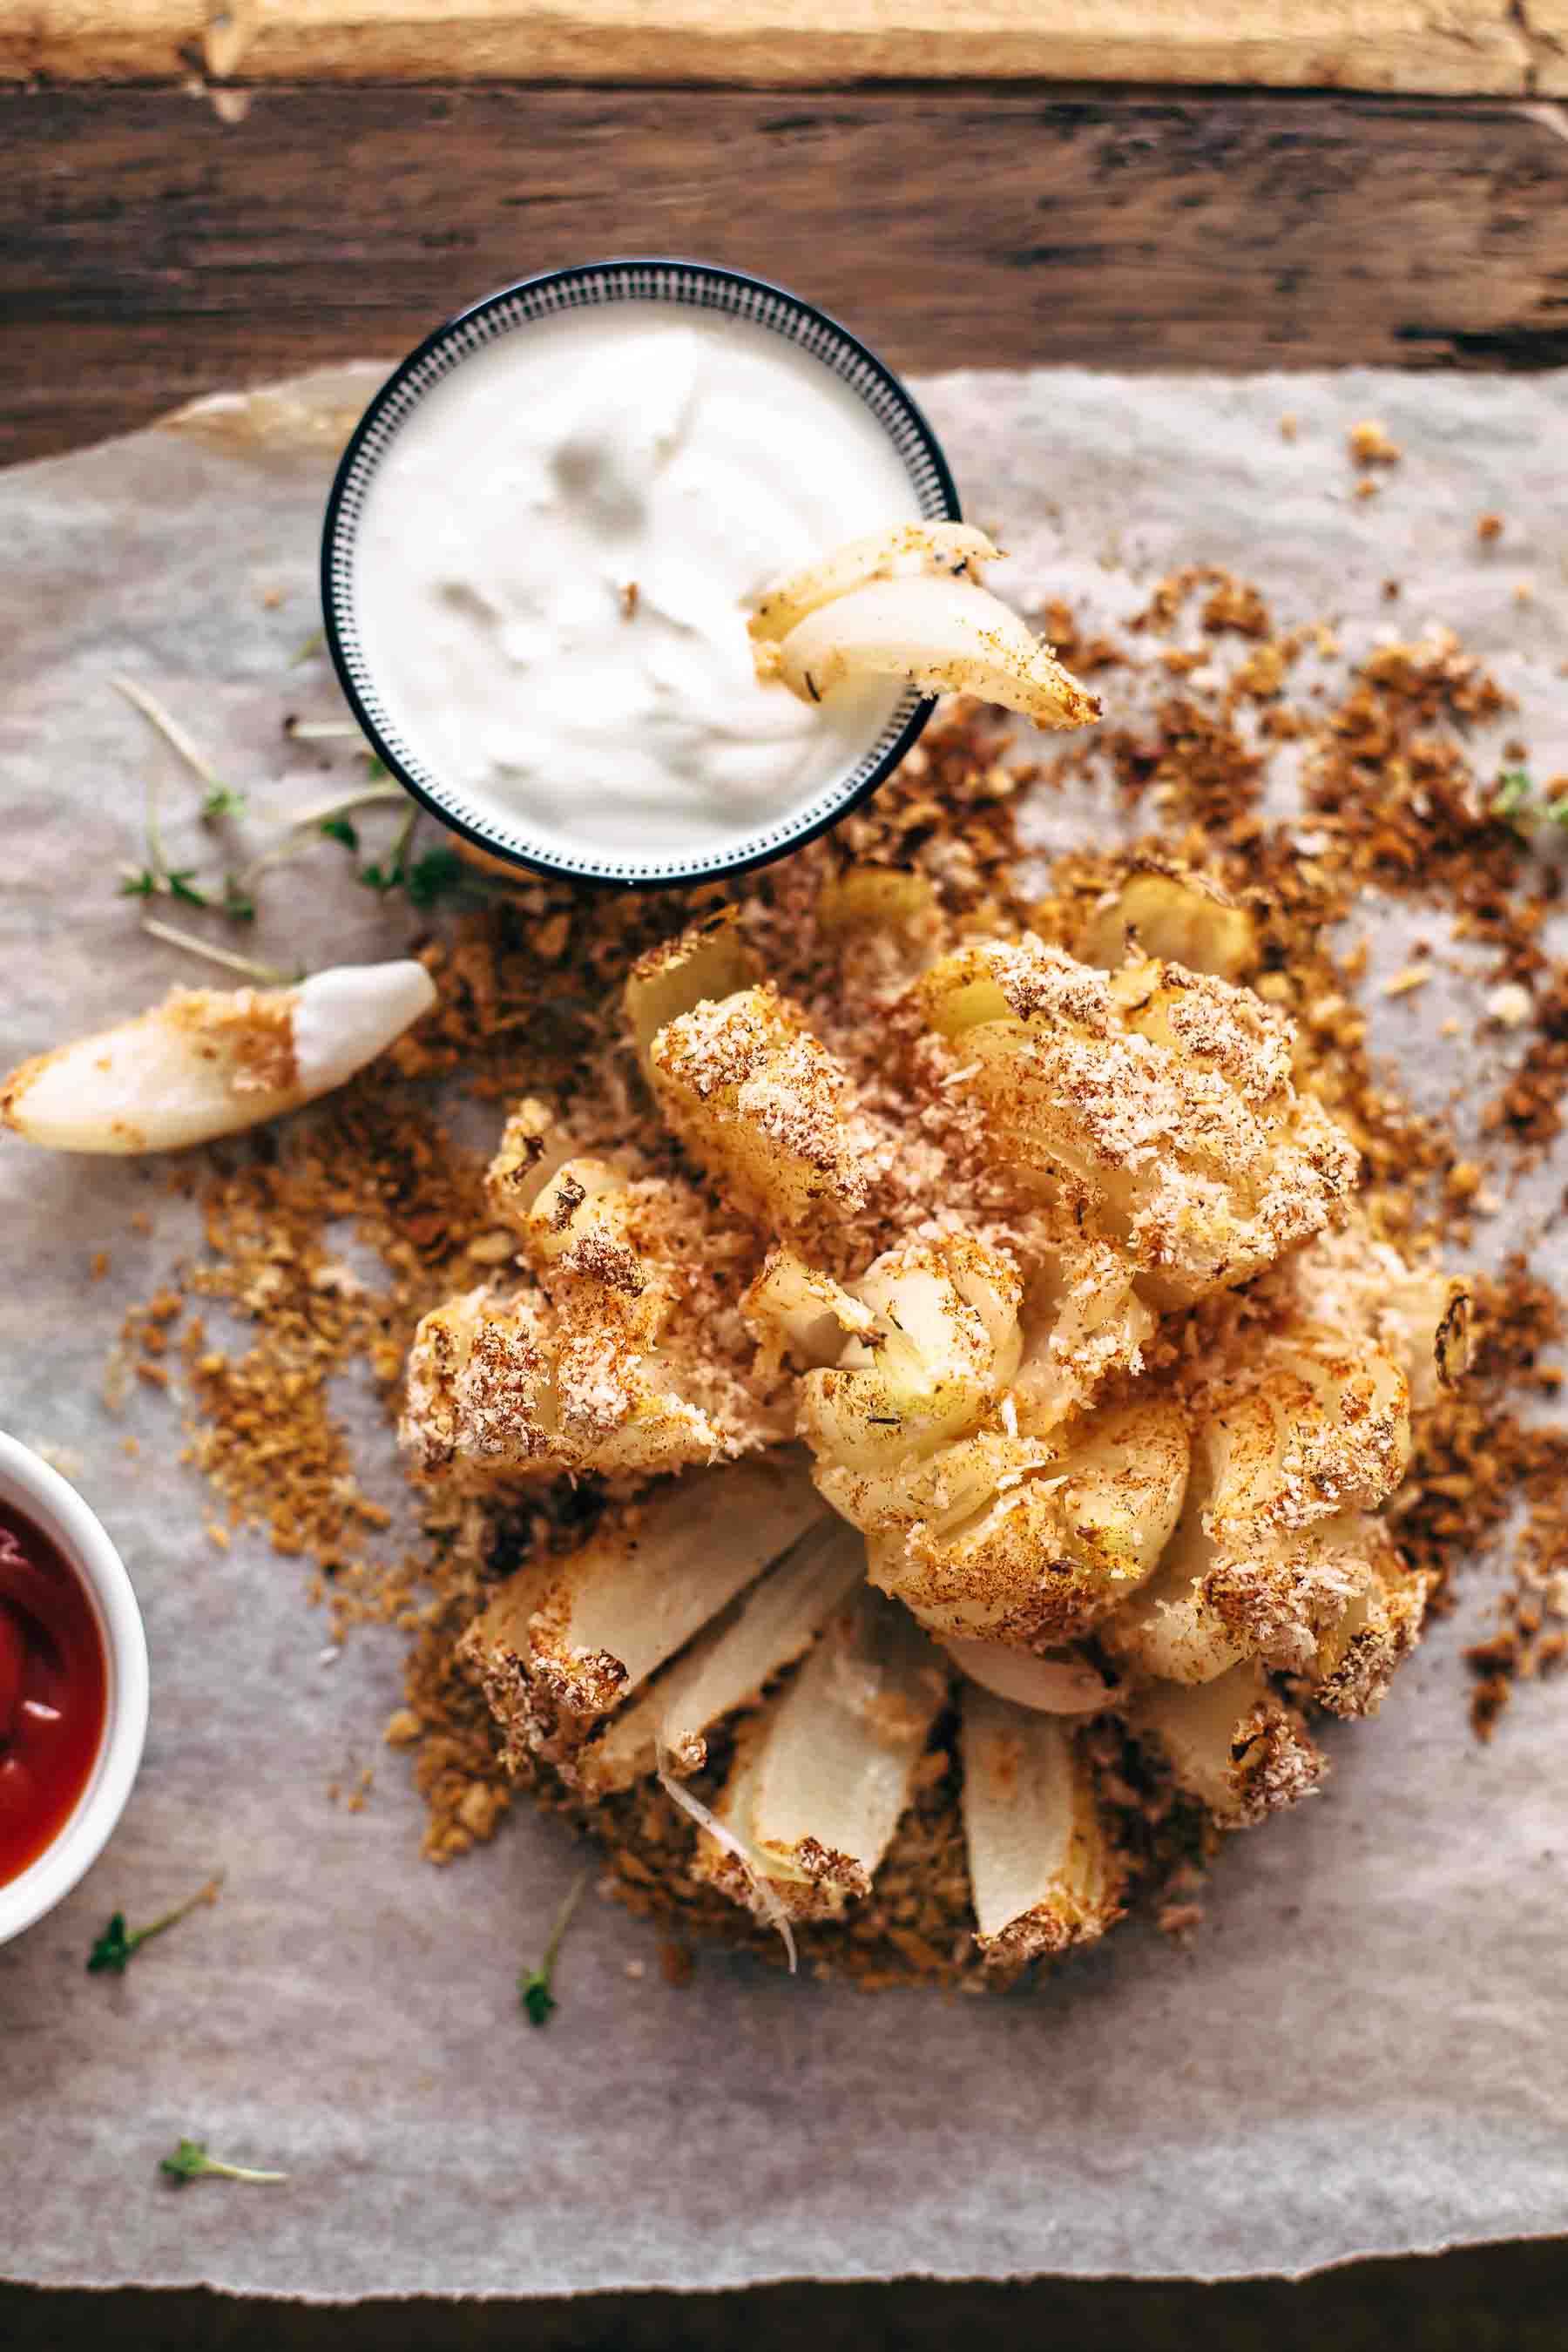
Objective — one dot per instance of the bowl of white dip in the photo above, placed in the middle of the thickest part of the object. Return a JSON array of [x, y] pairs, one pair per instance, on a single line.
[[541, 545]]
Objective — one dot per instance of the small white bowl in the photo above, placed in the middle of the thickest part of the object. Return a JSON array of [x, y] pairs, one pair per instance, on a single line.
[[29, 1486], [703, 287]]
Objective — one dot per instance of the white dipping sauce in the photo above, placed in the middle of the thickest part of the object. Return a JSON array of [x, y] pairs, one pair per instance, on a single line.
[[552, 566]]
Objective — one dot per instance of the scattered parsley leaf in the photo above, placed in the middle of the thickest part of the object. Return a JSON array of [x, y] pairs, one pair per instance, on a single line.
[[114, 1949], [238, 903], [191, 2161], [182, 887], [432, 875], [338, 828], [142, 884], [376, 765], [223, 800], [533, 1984]]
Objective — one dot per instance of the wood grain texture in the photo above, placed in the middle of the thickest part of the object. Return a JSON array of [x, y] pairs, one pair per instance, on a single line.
[[1513, 47], [1502, 2298], [150, 252]]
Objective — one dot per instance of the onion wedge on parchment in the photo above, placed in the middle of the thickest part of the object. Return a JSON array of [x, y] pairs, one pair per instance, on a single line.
[[207, 1062]]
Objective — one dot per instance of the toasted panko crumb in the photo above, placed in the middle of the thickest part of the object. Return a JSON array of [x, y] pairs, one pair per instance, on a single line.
[[1371, 444]]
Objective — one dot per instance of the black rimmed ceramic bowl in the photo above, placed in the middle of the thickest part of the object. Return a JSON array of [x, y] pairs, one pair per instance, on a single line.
[[698, 287]]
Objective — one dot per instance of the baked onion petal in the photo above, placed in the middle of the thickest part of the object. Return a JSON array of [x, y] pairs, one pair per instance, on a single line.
[[950, 548], [946, 637]]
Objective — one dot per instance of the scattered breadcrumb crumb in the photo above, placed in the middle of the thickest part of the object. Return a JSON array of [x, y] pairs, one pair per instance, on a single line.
[[1510, 1005], [1370, 444]]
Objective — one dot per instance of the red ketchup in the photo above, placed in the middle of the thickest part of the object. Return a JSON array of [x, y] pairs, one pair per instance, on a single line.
[[52, 1691]]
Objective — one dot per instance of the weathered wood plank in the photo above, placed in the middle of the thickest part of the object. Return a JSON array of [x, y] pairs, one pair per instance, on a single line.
[[153, 252], [1514, 47]]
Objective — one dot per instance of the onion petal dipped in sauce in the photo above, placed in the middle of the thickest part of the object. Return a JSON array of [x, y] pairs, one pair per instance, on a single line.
[[53, 1692]]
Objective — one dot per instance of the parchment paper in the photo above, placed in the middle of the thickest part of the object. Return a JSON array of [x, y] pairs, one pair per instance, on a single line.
[[1361, 2053]]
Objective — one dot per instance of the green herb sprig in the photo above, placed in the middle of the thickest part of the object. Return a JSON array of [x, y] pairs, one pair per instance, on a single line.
[[534, 1985], [424, 880], [1516, 803], [117, 1946], [421, 880], [191, 2161]]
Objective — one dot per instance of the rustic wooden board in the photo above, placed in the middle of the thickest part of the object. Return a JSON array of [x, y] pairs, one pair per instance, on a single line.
[[153, 252], [1503, 2298], [1517, 47]]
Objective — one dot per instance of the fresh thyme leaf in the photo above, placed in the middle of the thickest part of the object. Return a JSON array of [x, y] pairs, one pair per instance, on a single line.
[[191, 2161], [533, 1984], [432, 875], [116, 1948], [338, 828], [112, 1949], [181, 887], [428, 879], [537, 1999], [395, 873], [188, 2162]]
